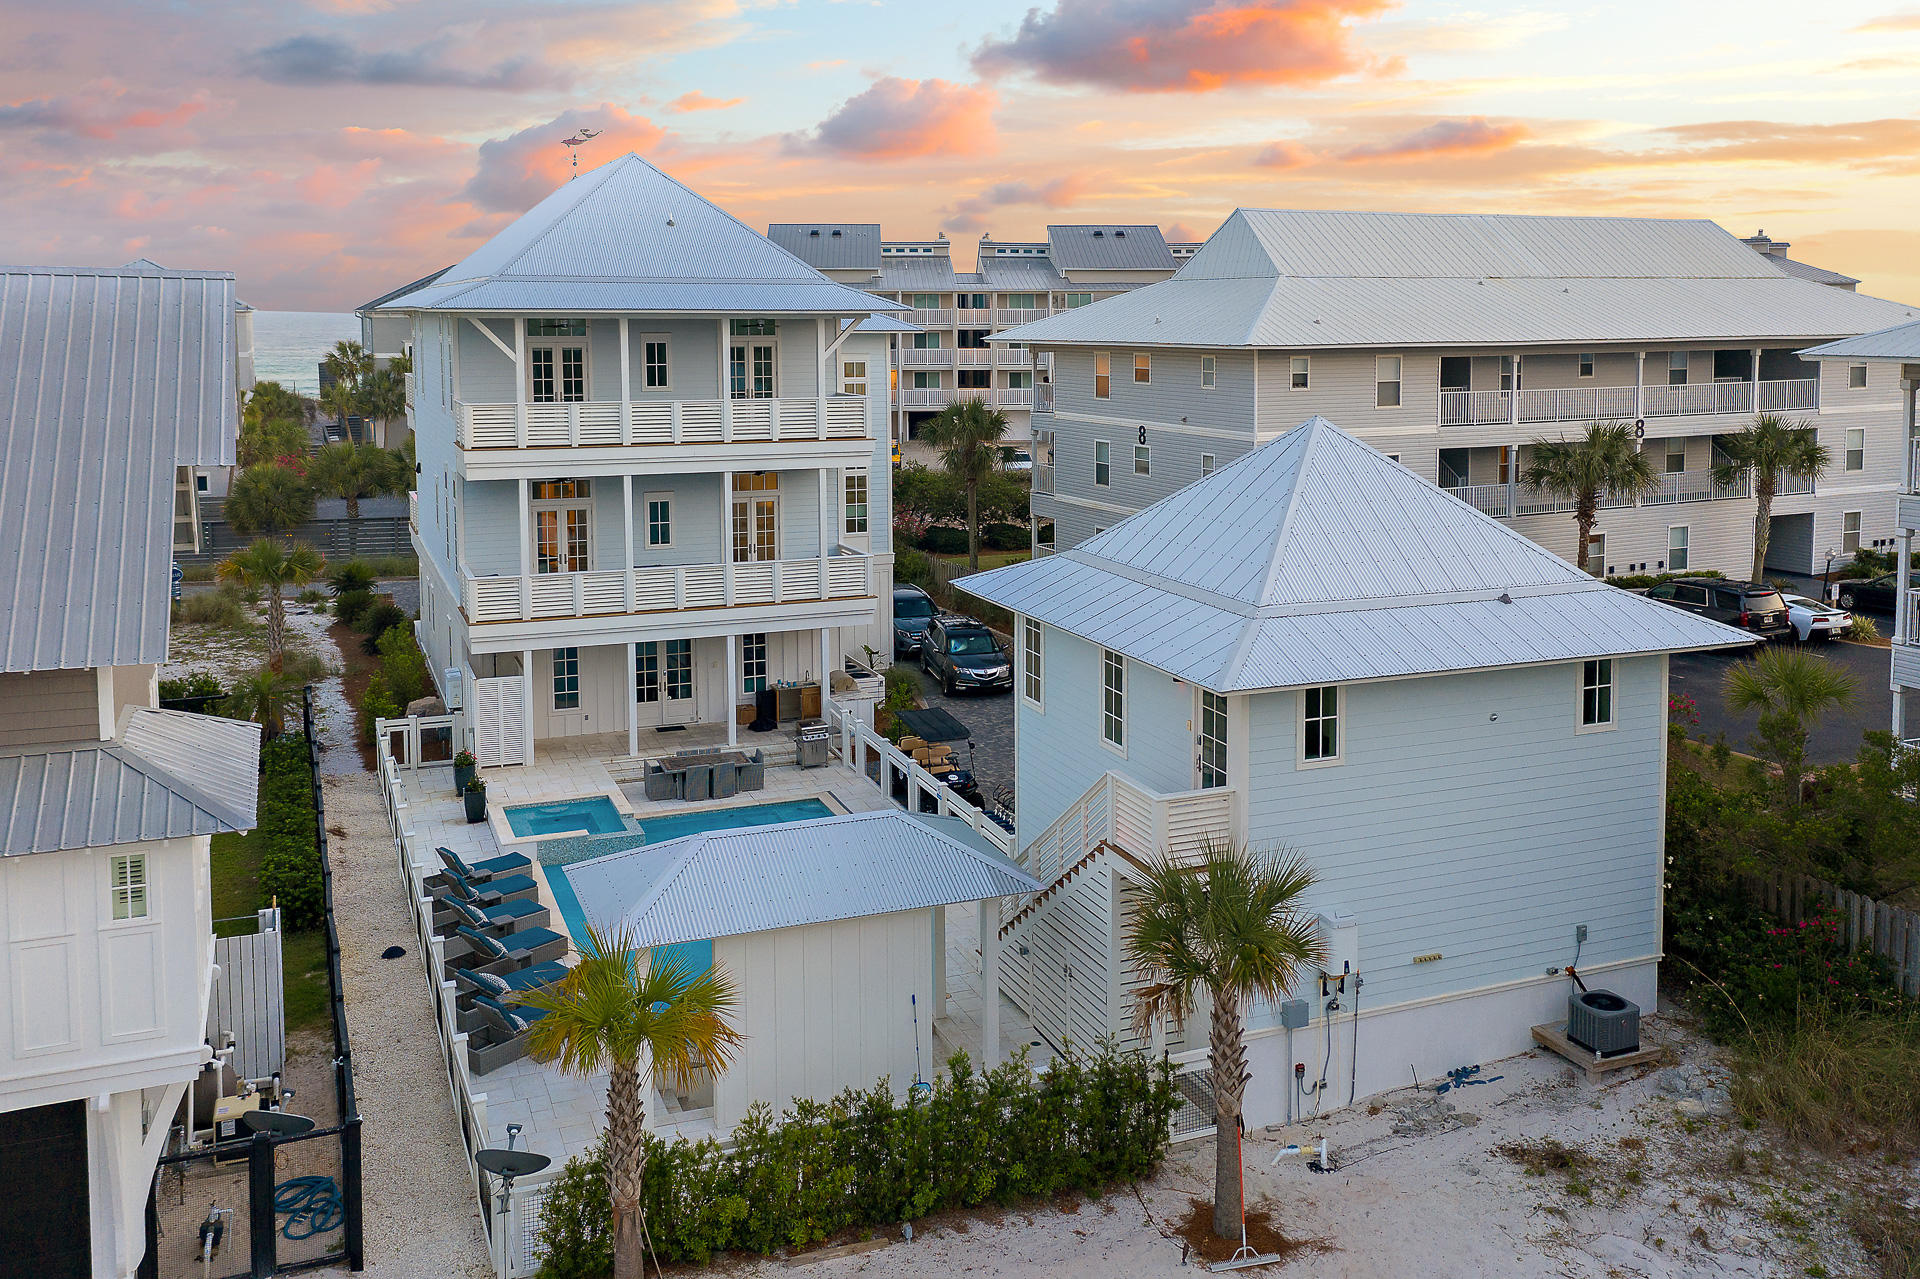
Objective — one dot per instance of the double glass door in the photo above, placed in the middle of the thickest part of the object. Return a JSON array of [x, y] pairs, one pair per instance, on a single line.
[[756, 528], [557, 374], [663, 681], [750, 370]]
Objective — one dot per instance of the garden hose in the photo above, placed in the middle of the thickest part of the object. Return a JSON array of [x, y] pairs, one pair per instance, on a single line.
[[313, 1206]]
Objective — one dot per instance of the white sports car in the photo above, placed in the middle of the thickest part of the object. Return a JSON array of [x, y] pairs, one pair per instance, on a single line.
[[1810, 617]]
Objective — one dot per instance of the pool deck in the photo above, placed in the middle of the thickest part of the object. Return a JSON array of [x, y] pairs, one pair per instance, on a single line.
[[562, 1114]]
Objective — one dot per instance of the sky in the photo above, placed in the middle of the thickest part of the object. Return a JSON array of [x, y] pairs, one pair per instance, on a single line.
[[327, 151]]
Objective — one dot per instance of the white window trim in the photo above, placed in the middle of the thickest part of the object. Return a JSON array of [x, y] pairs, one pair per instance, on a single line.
[[1308, 384], [553, 682], [1143, 459], [1138, 369], [535, 505], [1847, 450], [1097, 375], [1859, 527], [1688, 529], [1339, 756], [1033, 643], [750, 341], [1398, 382], [1118, 748], [1585, 360], [1200, 696], [665, 340], [1862, 384], [766, 664], [1580, 696], [1209, 373], [114, 892], [846, 502], [646, 518], [1097, 481], [586, 368], [1208, 465]]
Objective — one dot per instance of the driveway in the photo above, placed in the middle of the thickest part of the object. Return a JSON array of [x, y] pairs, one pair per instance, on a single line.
[[1836, 738], [989, 715]]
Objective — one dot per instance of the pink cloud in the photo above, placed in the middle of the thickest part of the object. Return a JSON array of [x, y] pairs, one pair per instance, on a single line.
[[1473, 136], [897, 119], [514, 173], [1283, 154], [1058, 193], [99, 111], [694, 100]]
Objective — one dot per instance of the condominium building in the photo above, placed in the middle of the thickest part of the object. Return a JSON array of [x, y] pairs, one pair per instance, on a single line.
[[653, 468], [1451, 343], [1015, 282]]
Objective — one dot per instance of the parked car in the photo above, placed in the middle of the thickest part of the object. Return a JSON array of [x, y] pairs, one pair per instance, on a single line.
[[962, 653], [1875, 595], [1017, 460], [1811, 618], [912, 610], [1751, 606]]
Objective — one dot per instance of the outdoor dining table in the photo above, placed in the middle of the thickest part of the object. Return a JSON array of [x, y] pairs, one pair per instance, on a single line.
[[709, 761]]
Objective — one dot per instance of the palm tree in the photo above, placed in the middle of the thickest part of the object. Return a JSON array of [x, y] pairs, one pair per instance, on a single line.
[[1772, 448], [272, 402], [272, 567], [1791, 689], [262, 697], [353, 471], [349, 362], [270, 440], [385, 394], [1229, 927], [1605, 460], [631, 1014], [968, 434], [268, 499]]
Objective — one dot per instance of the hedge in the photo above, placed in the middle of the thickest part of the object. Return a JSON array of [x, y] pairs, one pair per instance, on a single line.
[[867, 1159], [941, 540], [290, 861], [1641, 581]]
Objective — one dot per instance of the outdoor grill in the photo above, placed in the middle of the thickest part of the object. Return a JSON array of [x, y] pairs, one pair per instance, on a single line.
[[810, 743]]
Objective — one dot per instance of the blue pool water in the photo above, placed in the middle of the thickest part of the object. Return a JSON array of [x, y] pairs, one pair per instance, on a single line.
[[596, 816]]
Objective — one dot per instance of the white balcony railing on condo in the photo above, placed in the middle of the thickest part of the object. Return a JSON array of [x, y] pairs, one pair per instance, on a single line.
[[926, 397], [1615, 403], [413, 509], [972, 317], [974, 357], [409, 385], [1489, 499], [1697, 398], [611, 423], [1470, 408], [931, 318], [1785, 485], [1696, 486], [666, 588], [1043, 477], [923, 357], [1012, 357], [1576, 404], [1043, 397], [1014, 397], [1006, 317], [1797, 393]]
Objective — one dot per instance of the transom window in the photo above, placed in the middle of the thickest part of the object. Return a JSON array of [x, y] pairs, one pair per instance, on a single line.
[[1031, 658], [1299, 372], [755, 481], [1386, 381], [1208, 370], [1856, 448], [1142, 366], [758, 327], [753, 662], [1102, 375], [1320, 724], [1102, 463], [1213, 740], [556, 328], [129, 887], [561, 490], [1113, 697], [657, 372], [856, 501], [1596, 693], [566, 679], [659, 519]]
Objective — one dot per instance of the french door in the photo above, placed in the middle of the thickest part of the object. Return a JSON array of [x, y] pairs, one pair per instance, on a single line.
[[756, 528], [750, 370], [560, 539], [663, 681], [557, 374]]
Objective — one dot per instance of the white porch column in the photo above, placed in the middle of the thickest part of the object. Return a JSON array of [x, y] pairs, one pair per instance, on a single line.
[[519, 382], [1902, 597], [1754, 380], [526, 546], [726, 390], [733, 683], [1640, 386], [626, 565], [830, 504], [526, 703], [726, 536], [626, 386], [826, 667], [1513, 392], [939, 961], [989, 983]]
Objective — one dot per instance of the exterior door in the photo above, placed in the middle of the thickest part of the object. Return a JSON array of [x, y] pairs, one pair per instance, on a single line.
[[756, 528], [557, 374], [663, 681], [44, 1228], [750, 370], [560, 539]]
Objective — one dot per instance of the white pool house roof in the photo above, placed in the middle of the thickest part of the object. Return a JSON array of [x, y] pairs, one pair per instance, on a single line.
[[726, 883], [1315, 559], [626, 237]]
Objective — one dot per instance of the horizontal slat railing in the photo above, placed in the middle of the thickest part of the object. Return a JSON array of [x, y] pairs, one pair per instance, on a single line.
[[614, 424], [661, 588]]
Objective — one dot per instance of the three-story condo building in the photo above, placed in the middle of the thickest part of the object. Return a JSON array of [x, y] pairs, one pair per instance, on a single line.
[[653, 472], [1452, 342]]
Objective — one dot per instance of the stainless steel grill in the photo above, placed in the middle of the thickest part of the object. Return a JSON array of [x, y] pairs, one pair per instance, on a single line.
[[810, 743]]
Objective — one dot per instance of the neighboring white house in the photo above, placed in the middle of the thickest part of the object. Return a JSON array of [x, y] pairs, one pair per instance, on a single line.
[[1451, 343], [1896, 353], [1315, 648], [653, 466], [111, 382]]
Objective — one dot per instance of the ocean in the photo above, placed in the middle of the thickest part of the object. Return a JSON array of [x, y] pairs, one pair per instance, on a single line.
[[289, 345]]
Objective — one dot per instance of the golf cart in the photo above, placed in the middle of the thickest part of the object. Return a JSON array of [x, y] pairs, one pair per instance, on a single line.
[[930, 739]]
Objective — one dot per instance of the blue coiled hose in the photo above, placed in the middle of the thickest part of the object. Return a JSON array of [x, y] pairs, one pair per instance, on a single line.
[[313, 1206]]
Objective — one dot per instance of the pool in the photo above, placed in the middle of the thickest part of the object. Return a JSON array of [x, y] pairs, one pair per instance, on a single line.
[[555, 854], [596, 815]]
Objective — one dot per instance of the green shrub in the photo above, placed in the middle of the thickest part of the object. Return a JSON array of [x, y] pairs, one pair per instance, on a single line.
[[352, 577], [1868, 562], [350, 606], [1641, 581], [290, 862], [377, 621], [196, 684], [211, 608], [1861, 629], [941, 540], [867, 1159], [376, 703], [912, 566], [1004, 537], [403, 665]]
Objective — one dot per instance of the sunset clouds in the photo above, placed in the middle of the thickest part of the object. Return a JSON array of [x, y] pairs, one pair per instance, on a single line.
[[327, 150]]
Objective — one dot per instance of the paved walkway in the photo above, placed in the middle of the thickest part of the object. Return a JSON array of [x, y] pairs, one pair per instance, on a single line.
[[989, 715]]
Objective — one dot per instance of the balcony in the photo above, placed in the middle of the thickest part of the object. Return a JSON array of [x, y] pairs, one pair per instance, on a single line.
[[1696, 486], [1043, 397], [612, 424], [1612, 403], [1473, 408], [927, 357], [1013, 357], [671, 588], [1785, 485], [1043, 477], [1797, 393], [1488, 499], [925, 397], [931, 318], [1005, 317], [972, 317], [974, 357], [1014, 397], [1576, 404]]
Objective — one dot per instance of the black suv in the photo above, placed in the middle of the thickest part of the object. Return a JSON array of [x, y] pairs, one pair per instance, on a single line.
[[1875, 594], [962, 653], [912, 610], [1751, 606]]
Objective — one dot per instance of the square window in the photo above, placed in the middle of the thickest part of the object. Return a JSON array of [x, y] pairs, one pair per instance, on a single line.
[[566, 679], [1142, 367], [1031, 660], [1206, 465], [1856, 448], [1320, 724], [1208, 371], [1386, 381], [1102, 463], [1857, 377], [1677, 537], [1850, 533], [1113, 698], [1076, 300], [1596, 693], [659, 519], [1102, 375], [753, 662], [1299, 372], [853, 377], [1586, 364], [129, 887], [654, 364], [856, 501], [1142, 460]]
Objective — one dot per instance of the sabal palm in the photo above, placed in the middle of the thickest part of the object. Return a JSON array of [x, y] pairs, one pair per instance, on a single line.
[[353, 471], [262, 697], [1771, 447], [630, 1014], [273, 566], [1791, 689], [1228, 927], [269, 498], [968, 434], [349, 362], [1607, 459]]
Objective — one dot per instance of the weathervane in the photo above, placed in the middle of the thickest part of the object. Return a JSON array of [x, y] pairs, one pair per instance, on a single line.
[[578, 140]]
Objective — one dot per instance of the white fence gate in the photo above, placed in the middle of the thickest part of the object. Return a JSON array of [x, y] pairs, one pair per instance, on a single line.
[[249, 998], [500, 725]]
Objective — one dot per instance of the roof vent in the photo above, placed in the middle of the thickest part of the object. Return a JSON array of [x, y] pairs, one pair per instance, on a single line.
[[1119, 235], [836, 233], [1097, 234], [815, 232], [669, 219], [1505, 598]]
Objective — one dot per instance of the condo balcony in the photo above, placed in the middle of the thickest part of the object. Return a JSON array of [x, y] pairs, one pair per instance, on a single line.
[[845, 575], [931, 317], [614, 424], [927, 357], [1607, 403]]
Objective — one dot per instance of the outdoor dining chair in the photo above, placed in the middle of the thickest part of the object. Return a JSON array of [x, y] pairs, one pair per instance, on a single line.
[[659, 781], [696, 781], [726, 779], [753, 773]]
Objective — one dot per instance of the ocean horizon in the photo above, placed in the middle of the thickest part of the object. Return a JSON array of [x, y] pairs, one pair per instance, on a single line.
[[289, 345]]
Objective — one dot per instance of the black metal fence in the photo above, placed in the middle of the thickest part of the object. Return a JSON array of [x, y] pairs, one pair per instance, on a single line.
[[336, 539]]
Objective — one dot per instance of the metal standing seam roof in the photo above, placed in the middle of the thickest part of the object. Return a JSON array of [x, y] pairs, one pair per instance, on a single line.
[[401, 292], [626, 237], [1808, 271], [830, 246], [1899, 343], [1013, 274], [1248, 579], [905, 272], [167, 775], [1293, 280], [1109, 247], [110, 380], [725, 883]]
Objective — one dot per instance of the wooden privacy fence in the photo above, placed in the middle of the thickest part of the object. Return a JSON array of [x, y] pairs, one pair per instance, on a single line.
[[1865, 924]]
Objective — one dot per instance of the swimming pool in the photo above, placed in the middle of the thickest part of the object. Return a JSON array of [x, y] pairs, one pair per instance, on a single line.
[[596, 815]]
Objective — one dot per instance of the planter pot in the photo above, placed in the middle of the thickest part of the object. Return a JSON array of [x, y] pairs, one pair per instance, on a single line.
[[476, 805], [461, 776]]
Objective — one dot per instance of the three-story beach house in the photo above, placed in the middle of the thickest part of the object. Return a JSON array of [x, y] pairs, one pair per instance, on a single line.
[[1314, 648], [653, 475], [1452, 342], [111, 382]]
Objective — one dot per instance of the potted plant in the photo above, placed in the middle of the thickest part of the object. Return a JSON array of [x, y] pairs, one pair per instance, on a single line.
[[464, 769], [475, 794]]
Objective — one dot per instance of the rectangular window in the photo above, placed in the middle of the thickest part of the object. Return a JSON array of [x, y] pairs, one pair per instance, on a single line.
[[1102, 375], [659, 519], [1677, 557], [1850, 533], [1113, 697], [923, 381], [1022, 302], [1676, 368], [1320, 724], [1206, 465], [1856, 448], [653, 359], [1031, 660], [1213, 740], [646, 672], [129, 871], [1208, 371], [761, 327], [853, 377], [1020, 380], [556, 328], [856, 501], [1386, 381], [1586, 364], [753, 662], [1102, 463], [1300, 370], [972, 339], [974, 379], [1596, 693], [566, 679], [1857, 377], [1142, 367], [1676, 456], [1142, 460], [1075, 300], [926, 341]]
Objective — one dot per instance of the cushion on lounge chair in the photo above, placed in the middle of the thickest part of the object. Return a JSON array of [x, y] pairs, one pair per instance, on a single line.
[[482, 944], [467, 911], [471, 981], [508, 1022], [484, 869], [491, 891]]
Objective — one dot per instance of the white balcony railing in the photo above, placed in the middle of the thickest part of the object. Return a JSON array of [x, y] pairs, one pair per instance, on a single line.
[[931, 318], [1796, 393], [1471, 408], [1490, 499], [408, 379], [1006, 316], [665, 588], [1576, 404], [1043, 397], [1696, 486], [1785, 485], [1012, 357], [972, 317], [925, 397], [1615, 403], [974, 357], [413, 509], [1530, 501], [1697, 398], [1043, 477], [927, 357], [1014, 397], [638, 422]]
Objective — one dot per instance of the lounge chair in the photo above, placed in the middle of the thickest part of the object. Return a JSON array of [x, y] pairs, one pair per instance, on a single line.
[[753, 773], [515, 950], [506, 888], [504, 1032], [696, 782], [659, 782], [470, 984], [481, 871], [506, 917]]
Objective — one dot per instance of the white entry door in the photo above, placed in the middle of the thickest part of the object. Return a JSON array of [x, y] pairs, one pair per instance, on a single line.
[[663, 682]]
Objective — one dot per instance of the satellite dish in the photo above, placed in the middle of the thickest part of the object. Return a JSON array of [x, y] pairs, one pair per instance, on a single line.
[[509, 1164], [278, 1123]]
